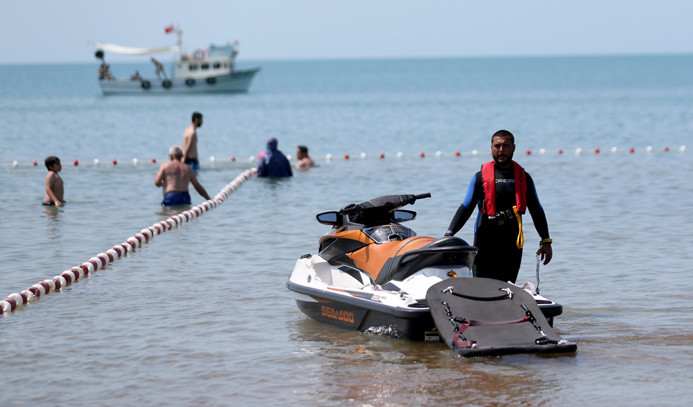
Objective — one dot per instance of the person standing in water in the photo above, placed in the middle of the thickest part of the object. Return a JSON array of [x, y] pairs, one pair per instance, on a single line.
[[304, 160], [190, 142], [54, 184], [502, 190], [274, 163], [174, 177]]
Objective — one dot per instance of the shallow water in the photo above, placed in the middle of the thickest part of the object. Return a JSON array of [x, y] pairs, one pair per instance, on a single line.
[[201, 316]]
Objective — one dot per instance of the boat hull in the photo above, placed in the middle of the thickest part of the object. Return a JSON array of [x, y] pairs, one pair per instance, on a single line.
[[237, 82]]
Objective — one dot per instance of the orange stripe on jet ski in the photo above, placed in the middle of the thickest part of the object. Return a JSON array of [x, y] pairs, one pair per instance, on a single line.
[[352, 293], [357, 235], [372, 258]]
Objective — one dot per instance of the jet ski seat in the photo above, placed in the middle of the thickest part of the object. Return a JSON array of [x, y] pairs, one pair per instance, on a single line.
[[449, 250]]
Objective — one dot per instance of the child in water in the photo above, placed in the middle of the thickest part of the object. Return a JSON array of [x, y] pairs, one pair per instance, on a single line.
[[54, 184]]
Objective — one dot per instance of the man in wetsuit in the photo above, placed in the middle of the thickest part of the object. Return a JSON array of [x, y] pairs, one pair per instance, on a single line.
[[175, 176], [502, 190]]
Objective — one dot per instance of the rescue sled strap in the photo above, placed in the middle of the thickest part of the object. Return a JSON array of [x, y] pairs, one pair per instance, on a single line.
[[460, 324]]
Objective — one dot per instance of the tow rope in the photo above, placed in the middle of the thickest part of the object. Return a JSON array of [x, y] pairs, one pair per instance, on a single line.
[[520, 243], [537, 270]]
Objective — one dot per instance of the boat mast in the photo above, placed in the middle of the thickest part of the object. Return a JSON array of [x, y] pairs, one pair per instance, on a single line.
[[179, 55]]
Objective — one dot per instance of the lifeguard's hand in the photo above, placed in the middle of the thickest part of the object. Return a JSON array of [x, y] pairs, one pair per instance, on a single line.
[[546, 252]]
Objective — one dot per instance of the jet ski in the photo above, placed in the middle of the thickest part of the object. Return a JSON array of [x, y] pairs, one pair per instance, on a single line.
[[372, 274]]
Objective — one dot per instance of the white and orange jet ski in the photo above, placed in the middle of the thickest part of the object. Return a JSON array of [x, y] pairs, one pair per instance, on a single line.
[[372, 274]]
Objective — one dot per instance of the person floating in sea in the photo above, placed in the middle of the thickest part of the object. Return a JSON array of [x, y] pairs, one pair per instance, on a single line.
[[159, 68], [304, 160], [274, 163], [190, 142], [502, 190], [54, 184], [136, 76], [174, 177]]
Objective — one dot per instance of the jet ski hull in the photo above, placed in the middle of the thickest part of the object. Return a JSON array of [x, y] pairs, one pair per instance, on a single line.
[[350, 304], [364, 314]]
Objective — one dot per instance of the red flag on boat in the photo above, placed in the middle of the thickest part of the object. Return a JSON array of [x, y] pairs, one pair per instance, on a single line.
[[168, 29]]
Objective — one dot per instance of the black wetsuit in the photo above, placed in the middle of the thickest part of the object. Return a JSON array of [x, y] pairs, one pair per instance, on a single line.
[[498, 255]]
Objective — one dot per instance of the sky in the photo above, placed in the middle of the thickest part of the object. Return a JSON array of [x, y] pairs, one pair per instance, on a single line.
[[51, 31]]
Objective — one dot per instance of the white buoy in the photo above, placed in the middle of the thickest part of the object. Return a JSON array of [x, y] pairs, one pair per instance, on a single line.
[[30, 297], [17, 298]]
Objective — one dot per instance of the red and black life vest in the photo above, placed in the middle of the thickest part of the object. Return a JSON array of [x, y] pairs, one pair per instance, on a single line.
[[488, 177]]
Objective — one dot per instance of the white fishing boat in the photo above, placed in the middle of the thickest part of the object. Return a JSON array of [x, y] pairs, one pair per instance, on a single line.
[[210, 70]]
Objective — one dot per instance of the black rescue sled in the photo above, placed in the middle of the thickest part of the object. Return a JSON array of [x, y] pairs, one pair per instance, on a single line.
[[481, 316]]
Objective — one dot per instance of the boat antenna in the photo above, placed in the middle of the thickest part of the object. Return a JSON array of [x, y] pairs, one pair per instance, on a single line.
[[179, 33]]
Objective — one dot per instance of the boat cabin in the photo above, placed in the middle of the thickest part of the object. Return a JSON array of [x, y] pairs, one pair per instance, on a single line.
[[200, 64]]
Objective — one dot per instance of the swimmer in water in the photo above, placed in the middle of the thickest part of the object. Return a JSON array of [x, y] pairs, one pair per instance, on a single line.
[[54, 184]]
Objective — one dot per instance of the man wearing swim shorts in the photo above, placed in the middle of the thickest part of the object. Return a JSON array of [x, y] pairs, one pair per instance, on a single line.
[[190, 142], [502, 190], [174, 177]]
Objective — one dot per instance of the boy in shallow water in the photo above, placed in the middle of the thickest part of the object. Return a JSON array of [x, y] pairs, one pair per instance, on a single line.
[[54, 184]]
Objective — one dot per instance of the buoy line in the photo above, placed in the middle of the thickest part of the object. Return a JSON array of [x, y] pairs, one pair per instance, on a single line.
[[67, 277], [329, 157]]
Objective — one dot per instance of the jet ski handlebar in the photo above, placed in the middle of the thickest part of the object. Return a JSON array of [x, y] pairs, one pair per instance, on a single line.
[[388, 202]]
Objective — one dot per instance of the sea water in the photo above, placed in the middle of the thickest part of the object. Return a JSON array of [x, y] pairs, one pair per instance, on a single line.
[[200, 315]]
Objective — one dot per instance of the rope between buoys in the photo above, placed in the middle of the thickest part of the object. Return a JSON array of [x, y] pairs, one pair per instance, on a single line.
[[67, 277]]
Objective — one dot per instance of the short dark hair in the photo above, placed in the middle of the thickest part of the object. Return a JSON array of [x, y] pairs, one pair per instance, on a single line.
[[303, 149], [503, 133], [51, 161], [196, 115]]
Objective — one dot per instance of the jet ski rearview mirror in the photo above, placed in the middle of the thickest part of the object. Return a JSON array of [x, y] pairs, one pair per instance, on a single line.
[[403, 215], [328, 218]]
